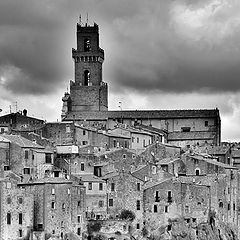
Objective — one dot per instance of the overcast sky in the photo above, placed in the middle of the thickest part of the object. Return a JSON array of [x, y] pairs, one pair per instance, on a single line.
[[174, 54]]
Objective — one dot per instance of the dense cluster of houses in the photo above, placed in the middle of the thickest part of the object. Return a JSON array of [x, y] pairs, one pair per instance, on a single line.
[[62, 176]]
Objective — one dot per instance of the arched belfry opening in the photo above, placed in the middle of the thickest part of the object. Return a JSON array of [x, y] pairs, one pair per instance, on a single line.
[[87, 45], [86, 78]]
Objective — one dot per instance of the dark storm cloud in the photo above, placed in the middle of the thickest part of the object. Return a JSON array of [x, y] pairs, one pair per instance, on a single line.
[[173, 46]]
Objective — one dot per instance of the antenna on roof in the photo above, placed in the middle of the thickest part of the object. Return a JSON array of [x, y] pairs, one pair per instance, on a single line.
[[80, 19]]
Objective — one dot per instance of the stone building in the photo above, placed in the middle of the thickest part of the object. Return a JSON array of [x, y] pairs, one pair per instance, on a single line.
[[96, 196], [59, 207], [171, 199], [24, 157], [19, 121], [16, 215], [197, 164], [125, 192], [87, 101]]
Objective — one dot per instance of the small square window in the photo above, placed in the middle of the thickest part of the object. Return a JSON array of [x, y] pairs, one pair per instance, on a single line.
[[110, 202]]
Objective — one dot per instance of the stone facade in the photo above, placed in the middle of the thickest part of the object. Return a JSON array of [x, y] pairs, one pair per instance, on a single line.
[[16, 209], [59, 206], [171, 199]]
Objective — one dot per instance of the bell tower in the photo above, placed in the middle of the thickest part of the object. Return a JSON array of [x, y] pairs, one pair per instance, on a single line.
[[87, 92]]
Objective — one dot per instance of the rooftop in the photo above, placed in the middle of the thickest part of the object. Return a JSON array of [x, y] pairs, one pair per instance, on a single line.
[[21, 141], [147, 114]]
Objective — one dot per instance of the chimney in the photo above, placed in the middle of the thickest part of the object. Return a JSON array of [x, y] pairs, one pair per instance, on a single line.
[[25, 112]]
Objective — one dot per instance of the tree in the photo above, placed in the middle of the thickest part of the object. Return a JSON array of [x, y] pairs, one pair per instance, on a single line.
[[127, 215]]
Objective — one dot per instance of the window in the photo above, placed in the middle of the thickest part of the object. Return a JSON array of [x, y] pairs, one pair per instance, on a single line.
[[114, 143], [197, 171], [84, 142], [87, 45], [166, 209], [100, 203], [56, 174], [221, 204], [20, 218], [133, 156], [26, 154], [138, 226], [229, 207], [8, 200], [89, 186], [79, 231], [138, 186], [86, 77], [20, 200], [8, 185], [6, 168], [169, 199], [82, 166], [79, 219], [155, 208], [2, 130], [112, 187], [63, 206], [84, 132], [53, 191], [124, 156], [69, 191], [48, 158], [110, 202], [100, 186], [20, 232], [137, 139], [206, 123], [79, 203], [8, 218], [138, 205], [186, 209], [157, 198], [132, 139], [186, 129], [53, 205], [26, 171], [144, 143]]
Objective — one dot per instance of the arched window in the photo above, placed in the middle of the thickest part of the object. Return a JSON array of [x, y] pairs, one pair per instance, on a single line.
[[197, 171], [87, 46], [86, 77]]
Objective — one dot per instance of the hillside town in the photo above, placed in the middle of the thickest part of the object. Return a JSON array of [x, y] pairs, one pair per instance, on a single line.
[[125, 175]]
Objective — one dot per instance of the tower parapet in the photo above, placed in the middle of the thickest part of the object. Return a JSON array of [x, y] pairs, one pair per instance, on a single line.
[[88, 92]]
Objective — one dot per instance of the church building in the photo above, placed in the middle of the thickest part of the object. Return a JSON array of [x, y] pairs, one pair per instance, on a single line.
[[87, 101]]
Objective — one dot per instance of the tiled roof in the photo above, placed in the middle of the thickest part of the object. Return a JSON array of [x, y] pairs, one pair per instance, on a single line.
[[190, 135], [150, 184], [88, 178], [110, 175], [215, 150], [47, 180], [212, 161], [22, 142], [2, 139], [112, 150], [147, 114], [141, 172], [168, 160], [42, 151]]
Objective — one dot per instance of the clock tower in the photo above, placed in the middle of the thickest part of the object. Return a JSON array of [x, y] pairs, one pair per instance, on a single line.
[[87, 92]]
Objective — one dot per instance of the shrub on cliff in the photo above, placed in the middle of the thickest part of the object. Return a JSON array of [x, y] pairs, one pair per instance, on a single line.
[[127, 215]]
